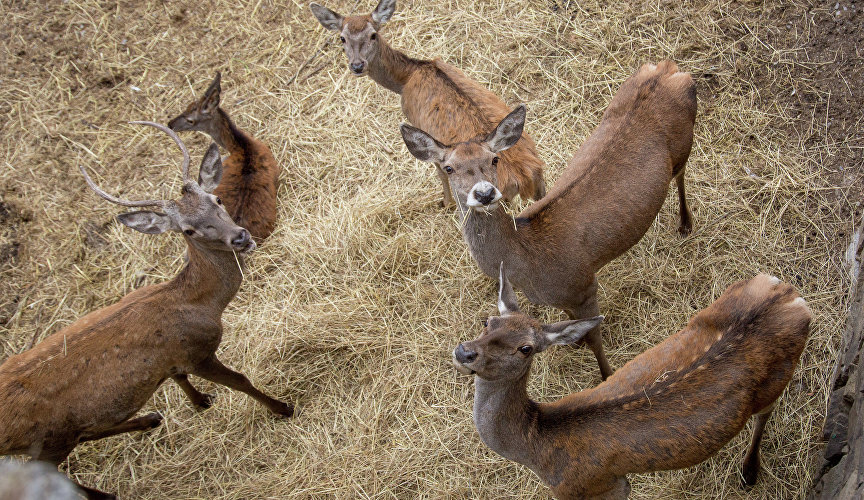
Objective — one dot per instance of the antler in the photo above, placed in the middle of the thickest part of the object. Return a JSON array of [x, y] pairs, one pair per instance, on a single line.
[[171, 134], [119, 201]]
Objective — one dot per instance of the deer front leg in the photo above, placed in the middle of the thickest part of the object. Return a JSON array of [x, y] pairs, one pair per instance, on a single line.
[[448, 201], [213, 370], [594, 338], [145, 423], [201, 400]]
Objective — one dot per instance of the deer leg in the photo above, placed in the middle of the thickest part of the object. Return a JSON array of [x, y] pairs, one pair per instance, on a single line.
[[686, 226], [213, 370], [594, 338], [751, 460], [201, 400], [55, 456], [445, 184], [145, 423]]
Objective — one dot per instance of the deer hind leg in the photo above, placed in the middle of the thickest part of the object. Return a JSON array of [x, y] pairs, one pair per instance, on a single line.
[[144, 423], [448, 201], [686, 226], [751, 460], [213, 370], [54, 455], [201, 400], [594, 338]]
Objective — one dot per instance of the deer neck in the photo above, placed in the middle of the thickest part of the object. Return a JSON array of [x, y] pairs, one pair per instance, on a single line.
[[390, 68], [228, 136], [494, 237], [211, 277], [506, 419]]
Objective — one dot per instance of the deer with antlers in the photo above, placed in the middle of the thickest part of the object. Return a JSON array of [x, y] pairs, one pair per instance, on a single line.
[[436, 97], [250, 176], [601, 206], [86, 381], [672, 406]]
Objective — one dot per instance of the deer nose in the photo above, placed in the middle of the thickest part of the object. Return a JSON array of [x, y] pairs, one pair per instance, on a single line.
[[241, 239], [357, 67], [485, 196], [464, 355]]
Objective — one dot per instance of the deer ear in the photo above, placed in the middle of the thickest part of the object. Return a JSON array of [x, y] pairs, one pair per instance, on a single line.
[[567, 332], [423, 146], [507, 302], [147, 222], [211, 98], [508, 132], [384, 11], [329, 19], [210, 172]]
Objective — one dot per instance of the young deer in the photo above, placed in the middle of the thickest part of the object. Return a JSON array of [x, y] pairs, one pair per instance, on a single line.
[[436, 97], [602, 205], [251, 174], [671, 407], [86, 381]]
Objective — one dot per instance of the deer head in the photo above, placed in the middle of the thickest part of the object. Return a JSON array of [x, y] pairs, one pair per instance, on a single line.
[[359, 34], [471, 166], [198, 214], [508, 342], [201, 114]]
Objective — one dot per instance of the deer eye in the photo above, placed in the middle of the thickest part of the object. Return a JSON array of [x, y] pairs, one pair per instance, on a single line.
[[218, 200], [485, 322], [448, 169], [373, 36], [526, 349], [342, 38], [494, 160], [190, 232]]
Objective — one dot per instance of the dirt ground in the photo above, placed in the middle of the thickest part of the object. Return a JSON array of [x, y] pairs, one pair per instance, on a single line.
[[351, 308]]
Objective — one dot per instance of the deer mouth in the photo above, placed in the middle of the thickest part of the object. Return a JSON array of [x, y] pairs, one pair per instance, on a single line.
[[464, 370], [247, 247], [484, 197]]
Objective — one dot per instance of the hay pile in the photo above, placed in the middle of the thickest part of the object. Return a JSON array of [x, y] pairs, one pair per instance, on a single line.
[[352, 307]]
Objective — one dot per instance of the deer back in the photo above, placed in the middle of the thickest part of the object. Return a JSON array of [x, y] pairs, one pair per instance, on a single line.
[[679, 402], [622, 171]]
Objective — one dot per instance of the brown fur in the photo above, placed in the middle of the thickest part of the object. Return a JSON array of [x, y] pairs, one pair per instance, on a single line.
[[441, 100], [251, 173], [603, 203], [671, 407], [86, 381]]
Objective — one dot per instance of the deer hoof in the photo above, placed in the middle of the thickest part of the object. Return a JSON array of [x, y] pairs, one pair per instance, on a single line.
[[153, 420], [206, 401], [284, 410]]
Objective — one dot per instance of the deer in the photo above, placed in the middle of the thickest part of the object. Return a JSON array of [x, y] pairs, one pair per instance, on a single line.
[[250, 174], [87, 381], [435, 96], [673, 406], [603, 203]]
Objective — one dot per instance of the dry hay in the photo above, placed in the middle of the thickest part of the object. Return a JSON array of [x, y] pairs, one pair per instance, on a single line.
[[352, 307]]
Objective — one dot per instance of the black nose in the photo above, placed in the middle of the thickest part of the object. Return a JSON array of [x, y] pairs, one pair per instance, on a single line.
[[241, 239], [485, 197], [465, 356], [357, 67]]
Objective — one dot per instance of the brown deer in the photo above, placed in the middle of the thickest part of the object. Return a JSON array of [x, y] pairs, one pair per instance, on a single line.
[[86, 381], [603, 203], [436, 97], [671, 407], [250, 176]]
